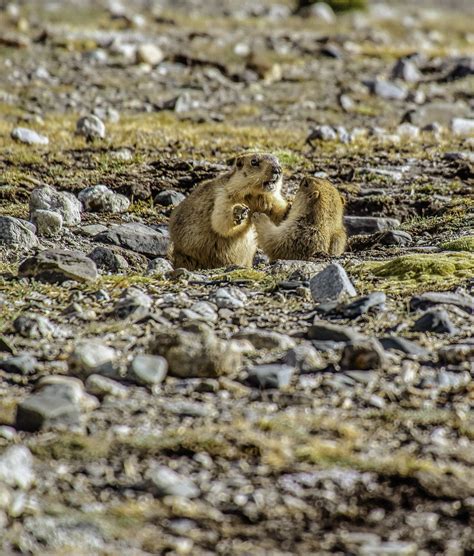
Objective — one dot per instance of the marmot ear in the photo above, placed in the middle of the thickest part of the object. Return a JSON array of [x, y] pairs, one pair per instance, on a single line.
[[316, 194]]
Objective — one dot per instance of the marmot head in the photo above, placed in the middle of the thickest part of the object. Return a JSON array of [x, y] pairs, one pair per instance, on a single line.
[[258, 170], [316, 195]]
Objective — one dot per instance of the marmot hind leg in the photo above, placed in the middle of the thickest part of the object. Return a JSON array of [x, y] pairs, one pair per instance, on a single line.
[[338, 242], [180, 260]]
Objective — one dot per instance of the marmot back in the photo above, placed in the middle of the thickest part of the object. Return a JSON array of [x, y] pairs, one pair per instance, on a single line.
[[314, 224]]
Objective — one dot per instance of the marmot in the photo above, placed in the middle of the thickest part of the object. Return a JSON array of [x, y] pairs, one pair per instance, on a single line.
[[212, 228], [314, 224]]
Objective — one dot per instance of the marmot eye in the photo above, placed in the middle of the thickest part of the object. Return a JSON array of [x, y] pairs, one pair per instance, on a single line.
[[254, 162]]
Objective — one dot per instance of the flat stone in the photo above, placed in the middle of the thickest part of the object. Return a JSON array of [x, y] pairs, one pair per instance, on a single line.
[[463, 127], [402, 344], [435, 320], [137, 237], [147, 370], [63, 202], [363, 305], [163, 481], [270, 376], [296, 270], [91, 230], [358, 225], [51, 407], [205, 311], [28, 136], [159, 267], [90, 357], [386, 89], [324, 331], [229, 298], [331, 284], [57, 266], [14, 233], [430, 299], [24, 364], [169, 198], [100, 198], [48, 223], [16, 467], [102, 386], [363, 356], [266, 339]]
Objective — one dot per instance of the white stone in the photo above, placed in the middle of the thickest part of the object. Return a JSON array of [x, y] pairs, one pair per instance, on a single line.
[[331, 284], [323, 11], [149, 54], [463, 127], [48, 223], [16, 467], [91, 357], [102, 199], [28, 136], [90, 127], [63, 202]]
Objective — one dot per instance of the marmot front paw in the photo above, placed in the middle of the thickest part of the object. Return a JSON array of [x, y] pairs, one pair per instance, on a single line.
[[240, 213]]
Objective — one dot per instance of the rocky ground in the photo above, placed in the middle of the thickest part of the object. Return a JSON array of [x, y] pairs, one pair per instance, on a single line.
[[293, 408]]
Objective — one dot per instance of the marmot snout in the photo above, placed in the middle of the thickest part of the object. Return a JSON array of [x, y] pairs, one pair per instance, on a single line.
[[314, 224]]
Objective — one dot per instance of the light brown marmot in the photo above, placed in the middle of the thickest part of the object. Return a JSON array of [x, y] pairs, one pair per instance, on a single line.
[[212, 227], [314, 224]]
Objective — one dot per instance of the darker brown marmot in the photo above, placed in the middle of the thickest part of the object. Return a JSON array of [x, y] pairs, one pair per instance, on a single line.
[[314, 224]]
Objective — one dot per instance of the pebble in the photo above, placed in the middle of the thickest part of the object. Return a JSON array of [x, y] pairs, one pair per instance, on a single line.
[[48, 223], [331, 284], [205, 311], [57, 266], [387, 89], [304, 357], [133, 304], [149, 54], [323, 12], [435, 320], [197, 352], [266, 339], [324, 331], [159, 267], [357, 225], [322, 133], [90, 357], [406, 70], [138, 238], [100, 198], [102, 386], [24, 364], [169, 198], [402, 344], [28, 136], [229, 298], [463, 127], [362, 305], [270, 376], [63, 202], [91, 127], [54, 405], [34, 326], [147, 370], [14, 233], [107, 260], [163, 481], [363, 356], [393, 237], [408, 131], [16, 467]]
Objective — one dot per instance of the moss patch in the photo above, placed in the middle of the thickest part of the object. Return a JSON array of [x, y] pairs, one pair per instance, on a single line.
[[460, 244]]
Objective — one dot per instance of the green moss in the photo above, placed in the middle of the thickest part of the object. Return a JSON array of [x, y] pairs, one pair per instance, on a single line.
[[242, 274], [460, 244], [290, 158]]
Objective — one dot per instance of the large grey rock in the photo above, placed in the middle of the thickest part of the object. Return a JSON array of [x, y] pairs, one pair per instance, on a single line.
[[169, 198], [14, 233], [57, 266], [197, 352], [102, 199], [108, 261], [270, 376], [148, 370], [331, 284], [91, 127], [48, 198], [54, 405], [429, 299], [435, 320], [24, 364], [324, 331], [402, 344], [163, 481], [91, 357], [266, 339], [48, 223], [16, 467], [138, 238], [356, 225], [28, 136], [363, 305]]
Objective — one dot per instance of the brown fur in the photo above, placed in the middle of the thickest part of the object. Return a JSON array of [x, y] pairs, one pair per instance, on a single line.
[[314, 224], [212, 227]]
